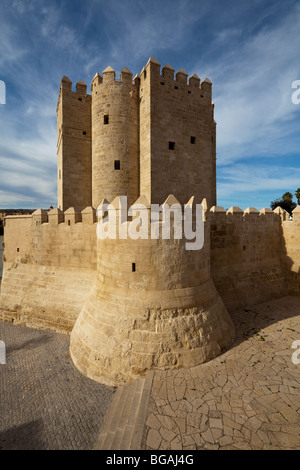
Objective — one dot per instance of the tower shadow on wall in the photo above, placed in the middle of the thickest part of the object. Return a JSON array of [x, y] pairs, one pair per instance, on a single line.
[[252, 318]]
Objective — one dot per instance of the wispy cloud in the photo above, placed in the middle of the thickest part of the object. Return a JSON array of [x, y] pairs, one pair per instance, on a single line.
[[135, 30], [257, 185], [252, 88], [248, 49]]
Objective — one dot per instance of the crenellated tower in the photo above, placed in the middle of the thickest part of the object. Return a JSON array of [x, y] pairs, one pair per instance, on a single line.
[[115, 137], [152, 135], [153, 304], [74, 151], [177, 135]]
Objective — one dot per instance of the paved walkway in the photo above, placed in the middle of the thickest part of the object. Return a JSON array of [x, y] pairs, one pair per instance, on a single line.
[[248, 398], [45, 403]]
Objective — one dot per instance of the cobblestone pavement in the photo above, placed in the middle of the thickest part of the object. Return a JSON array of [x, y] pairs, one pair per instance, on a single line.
[[248, 398], [45, 403]]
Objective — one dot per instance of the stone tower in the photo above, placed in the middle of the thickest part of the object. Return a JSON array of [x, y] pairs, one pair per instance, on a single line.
[[153, 305], [177, 135], [153, 136], [115, 137], [74, 152]]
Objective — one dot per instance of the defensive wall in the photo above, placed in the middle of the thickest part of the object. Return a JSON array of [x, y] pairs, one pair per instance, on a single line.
[[49, 266], [57, 275]]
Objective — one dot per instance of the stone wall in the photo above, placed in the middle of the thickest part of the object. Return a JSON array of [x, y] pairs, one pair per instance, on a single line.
[[134, 305], [246, 261], [49, 268], [291, 252]]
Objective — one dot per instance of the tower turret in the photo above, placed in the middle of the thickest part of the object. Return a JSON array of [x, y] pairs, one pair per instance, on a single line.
[[74, 178], [115, 139], [177, 135]]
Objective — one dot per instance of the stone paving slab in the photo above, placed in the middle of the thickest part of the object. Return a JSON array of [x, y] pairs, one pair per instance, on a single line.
[[45, 403], [247, 398]]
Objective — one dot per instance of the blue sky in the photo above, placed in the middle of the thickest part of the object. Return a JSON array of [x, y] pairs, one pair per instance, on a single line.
[[248, 49]]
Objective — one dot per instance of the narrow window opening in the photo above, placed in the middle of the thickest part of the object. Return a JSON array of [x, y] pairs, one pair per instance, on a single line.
[[212, 139], [162, 83], [59, 174], [69, 222], [145, 74], [133, 267], [106, 119], [84, 133], [79, 99], [202, 96], [193, 140], [171, 145], [176, 87], [117, 165], [18, 249], [244, 248], [189, 92]]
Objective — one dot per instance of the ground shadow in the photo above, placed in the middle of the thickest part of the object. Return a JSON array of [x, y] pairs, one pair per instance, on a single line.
[[29, 344], [29, 436], [251, 321]]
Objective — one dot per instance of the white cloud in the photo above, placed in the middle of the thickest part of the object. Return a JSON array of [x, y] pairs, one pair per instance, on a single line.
[[11, 50], [252, 73], [252, 91], [140, 29], [256, 185]]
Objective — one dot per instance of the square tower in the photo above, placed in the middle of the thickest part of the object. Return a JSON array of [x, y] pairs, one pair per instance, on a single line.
[[177, 135], [74, 151]]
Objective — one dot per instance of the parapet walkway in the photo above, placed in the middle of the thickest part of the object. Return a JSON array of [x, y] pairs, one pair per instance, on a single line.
[[248, 398]]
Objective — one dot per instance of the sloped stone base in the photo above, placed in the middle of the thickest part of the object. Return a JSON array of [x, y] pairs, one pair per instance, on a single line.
[[119, 336]]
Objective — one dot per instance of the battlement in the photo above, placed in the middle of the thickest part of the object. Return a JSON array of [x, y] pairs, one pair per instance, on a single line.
[[251, 215], [216, 214], [66, 86], [69, 217], [181, 83], [109, 77], [141, 204], [80, 92]]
